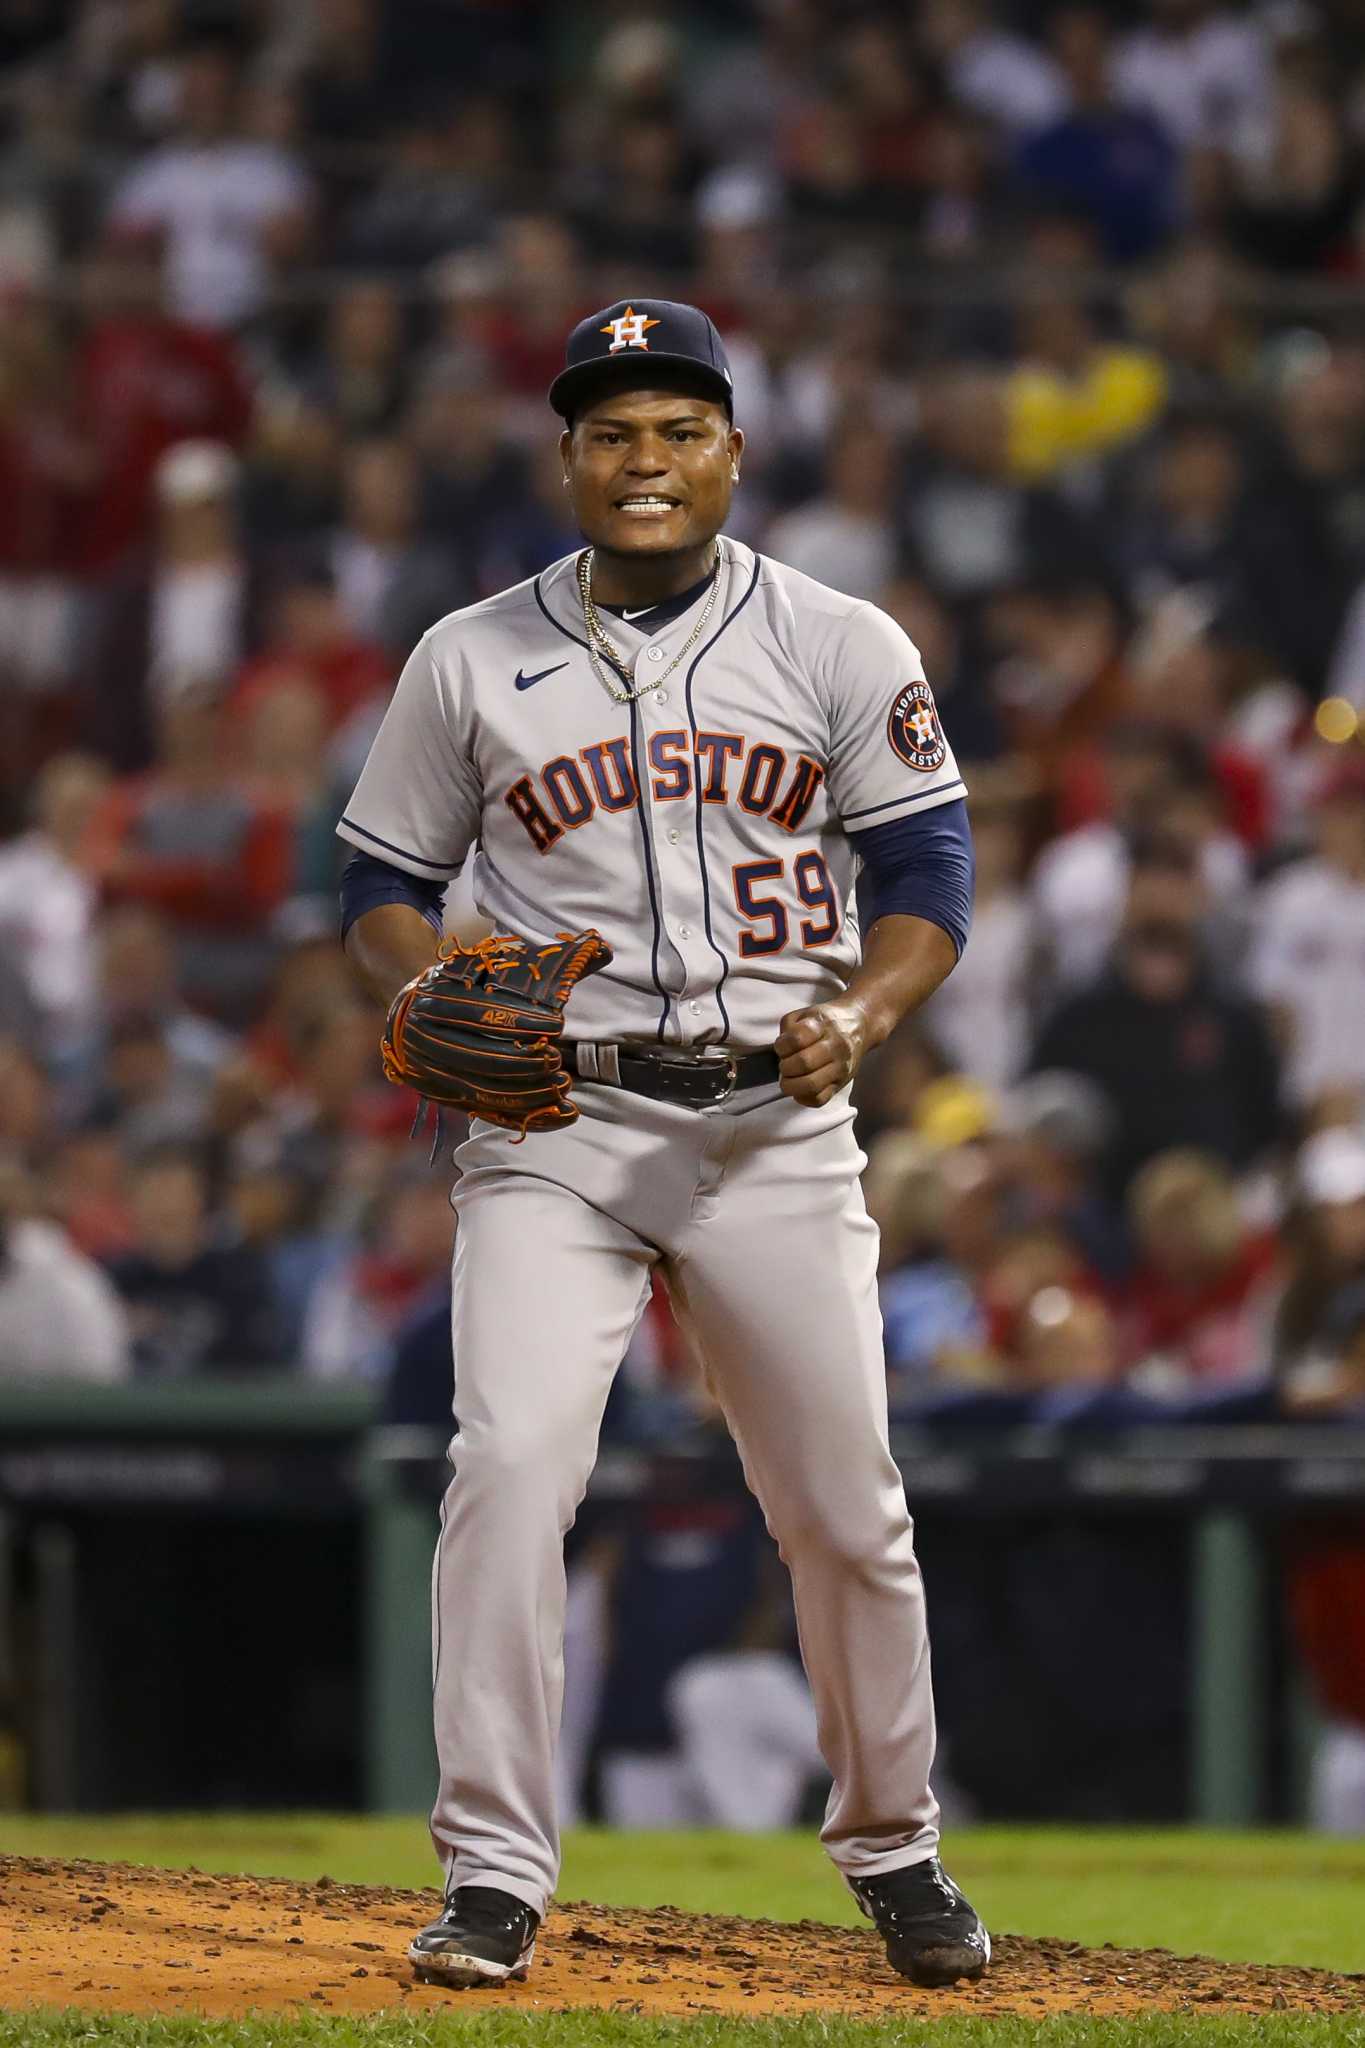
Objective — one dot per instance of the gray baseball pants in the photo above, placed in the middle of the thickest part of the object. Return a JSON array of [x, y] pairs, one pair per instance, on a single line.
[[756, 1213]]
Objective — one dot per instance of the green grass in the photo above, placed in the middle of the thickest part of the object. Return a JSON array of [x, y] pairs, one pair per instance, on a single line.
[[614, 2030], [1270, 1898]]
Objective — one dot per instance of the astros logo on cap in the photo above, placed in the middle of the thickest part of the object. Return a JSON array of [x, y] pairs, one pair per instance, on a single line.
[[628, 330]]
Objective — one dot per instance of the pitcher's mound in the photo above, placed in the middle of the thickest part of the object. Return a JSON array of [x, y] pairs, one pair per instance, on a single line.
[[114, 1938]]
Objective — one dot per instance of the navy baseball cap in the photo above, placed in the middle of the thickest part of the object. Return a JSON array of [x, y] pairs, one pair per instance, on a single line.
[[626, 343]]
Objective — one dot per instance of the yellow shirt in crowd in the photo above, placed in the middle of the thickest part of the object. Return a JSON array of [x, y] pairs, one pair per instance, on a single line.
[[1055, 420]]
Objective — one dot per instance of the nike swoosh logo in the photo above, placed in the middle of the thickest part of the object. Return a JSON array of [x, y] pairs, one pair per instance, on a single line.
[[640, 614], [524, 682]]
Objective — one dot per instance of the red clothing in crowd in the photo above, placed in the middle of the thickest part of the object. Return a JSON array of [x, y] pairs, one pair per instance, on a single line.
[[529, 354], [35, 497], [1083, 793], [209, 861], [1212, 1327], [140, 385], [347, 675], [1327, 1605]]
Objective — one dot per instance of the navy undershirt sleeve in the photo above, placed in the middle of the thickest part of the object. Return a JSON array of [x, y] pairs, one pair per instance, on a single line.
[[920, 866], [367, 882]]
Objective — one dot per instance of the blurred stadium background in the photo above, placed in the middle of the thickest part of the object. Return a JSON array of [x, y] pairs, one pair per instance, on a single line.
[[1048, 325]]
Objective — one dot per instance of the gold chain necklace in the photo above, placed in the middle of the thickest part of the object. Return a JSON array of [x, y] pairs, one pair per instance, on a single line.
[[600, 642]]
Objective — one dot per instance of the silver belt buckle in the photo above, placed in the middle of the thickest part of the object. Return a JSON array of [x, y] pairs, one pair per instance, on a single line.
[[705, 1060]]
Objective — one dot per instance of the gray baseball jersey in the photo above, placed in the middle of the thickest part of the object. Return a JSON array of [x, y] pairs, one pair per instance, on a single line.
[[702, 829]]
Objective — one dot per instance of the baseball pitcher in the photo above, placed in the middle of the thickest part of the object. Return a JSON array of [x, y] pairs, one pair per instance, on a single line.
[[669, 759]]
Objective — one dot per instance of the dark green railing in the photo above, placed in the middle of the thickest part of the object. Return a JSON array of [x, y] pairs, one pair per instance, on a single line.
[[287, 1447]]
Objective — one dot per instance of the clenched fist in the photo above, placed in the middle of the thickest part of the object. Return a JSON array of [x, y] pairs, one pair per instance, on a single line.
[[819, 1049]]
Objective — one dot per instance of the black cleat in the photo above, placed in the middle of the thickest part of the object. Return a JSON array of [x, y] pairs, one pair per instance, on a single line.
[[482, 1937], [932, 1935]]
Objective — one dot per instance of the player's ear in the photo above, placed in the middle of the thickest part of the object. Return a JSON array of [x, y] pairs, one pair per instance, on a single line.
[[735, 443], [566, 452]]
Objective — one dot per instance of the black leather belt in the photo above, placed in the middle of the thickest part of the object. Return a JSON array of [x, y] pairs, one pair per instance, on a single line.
[[668, 1073]]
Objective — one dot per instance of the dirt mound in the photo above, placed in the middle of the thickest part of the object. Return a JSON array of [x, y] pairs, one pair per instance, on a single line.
[[110, 1937]]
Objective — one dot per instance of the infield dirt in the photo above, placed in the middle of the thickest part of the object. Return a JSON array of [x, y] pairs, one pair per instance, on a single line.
[[117, 1938]]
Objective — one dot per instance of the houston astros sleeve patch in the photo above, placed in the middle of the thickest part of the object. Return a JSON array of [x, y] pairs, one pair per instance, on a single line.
[[913, 728], [889, 754]]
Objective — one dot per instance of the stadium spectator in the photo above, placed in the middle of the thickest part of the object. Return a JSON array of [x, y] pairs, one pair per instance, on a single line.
[[358, 1308], [311, 643], [1196, 1308], [42, 465], [440, 182], [234, 211], [969, 527], [391, 583], [1006, 79], [469, 466], [1054, 1129], [1129, 784], [1066, 1338], [1204, 73], [59, 1317], [27, 1105], [309, 987], [1189, 308], [1295, 198], [49, 902], [84, 1187], [844, 536], [137, 976], [192, 840], [932, 1323], [982, 1014], [142, 381], [344, 76], [276, 1212], [175, 617], [291, 480], [1202, 523], [284, 754], [1316, 1319], [1320, 428], [1179, 1060], [1309, 960], [359, 377], [54, 174], [126, 70], [1103, 159], [1075, 395], [333, 1119], [529, 533], [197, 1300], [143, 1093], [632, 208], [1058, 671]]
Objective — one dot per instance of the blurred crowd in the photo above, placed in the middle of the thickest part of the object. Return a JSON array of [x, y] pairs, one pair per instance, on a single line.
[[1048, 329], [1044, 339]]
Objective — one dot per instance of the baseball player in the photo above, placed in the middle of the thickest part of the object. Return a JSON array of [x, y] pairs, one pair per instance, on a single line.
[[693, 752]]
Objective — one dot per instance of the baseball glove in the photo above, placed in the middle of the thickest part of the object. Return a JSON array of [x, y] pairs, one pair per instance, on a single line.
[[477, 1030]]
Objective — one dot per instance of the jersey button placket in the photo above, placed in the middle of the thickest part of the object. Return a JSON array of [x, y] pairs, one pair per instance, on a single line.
[[681, 897]]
